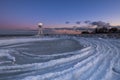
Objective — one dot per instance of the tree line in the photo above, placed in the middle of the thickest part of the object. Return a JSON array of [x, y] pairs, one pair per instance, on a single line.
[[102, 27], [106, 30]]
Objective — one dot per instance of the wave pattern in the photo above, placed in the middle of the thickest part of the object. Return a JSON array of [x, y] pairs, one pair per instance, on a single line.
[[98, 60]]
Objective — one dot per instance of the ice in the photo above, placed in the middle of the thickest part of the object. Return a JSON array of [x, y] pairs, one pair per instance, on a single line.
[[22, 40], [99, 59]]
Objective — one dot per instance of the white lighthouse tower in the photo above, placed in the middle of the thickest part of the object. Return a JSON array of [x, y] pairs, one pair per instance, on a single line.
[[40, 29]]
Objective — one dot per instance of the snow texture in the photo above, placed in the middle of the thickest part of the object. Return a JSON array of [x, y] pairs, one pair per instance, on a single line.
[[98, 60]]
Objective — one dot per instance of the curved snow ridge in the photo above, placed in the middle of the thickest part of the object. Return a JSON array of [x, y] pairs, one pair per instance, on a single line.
[[99, 60], [99, 67], [46, 64], [52, 56], [5, 54], [64, 68], [4, 42]]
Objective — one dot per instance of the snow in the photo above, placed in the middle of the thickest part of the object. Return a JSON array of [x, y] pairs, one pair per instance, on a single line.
[[22, 40], [98, 60]]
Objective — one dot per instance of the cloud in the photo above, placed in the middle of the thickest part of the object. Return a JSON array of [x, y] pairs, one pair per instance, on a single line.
[[100, 24]]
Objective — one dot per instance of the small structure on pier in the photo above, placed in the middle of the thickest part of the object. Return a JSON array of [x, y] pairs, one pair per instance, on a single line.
[[40, 29]]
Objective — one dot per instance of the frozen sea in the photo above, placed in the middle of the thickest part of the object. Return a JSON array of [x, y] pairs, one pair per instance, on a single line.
[[65, 58]]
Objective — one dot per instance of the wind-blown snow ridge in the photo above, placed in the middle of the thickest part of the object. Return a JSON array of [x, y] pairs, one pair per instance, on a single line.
[[22, 40], [99, 60]]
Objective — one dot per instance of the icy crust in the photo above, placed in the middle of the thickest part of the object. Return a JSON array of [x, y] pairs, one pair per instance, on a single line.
[[96, 67], [4, 42], [17, 49], [98, 60], [6, 54], [36, 66]]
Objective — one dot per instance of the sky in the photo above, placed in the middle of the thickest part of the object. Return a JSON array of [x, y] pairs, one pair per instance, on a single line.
[[26, 14]]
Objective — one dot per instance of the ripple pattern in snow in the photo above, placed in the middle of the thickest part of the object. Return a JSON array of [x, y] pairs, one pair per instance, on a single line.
[[98, 60]]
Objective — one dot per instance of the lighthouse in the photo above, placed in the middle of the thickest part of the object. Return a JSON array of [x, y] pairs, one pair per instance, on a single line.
[[40, 29]]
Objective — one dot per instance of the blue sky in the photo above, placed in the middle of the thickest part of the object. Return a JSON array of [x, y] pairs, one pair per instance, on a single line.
[[25, 14]]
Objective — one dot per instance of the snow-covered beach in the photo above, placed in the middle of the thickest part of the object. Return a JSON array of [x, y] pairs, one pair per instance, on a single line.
[[65, 58]]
